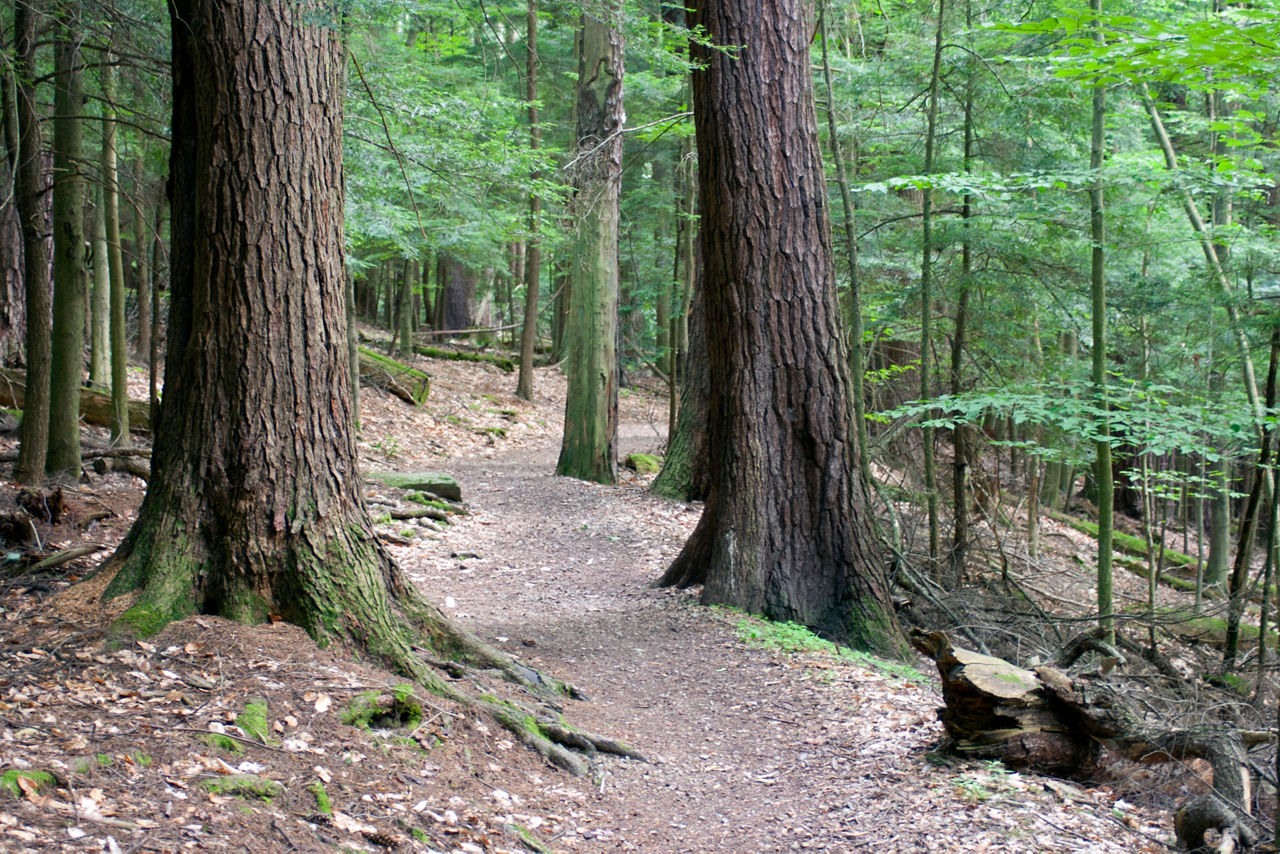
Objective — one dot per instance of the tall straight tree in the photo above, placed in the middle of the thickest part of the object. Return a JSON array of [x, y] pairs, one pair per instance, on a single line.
[[115, 258], [70, 280], [784, 532], [533, 257], [254, 506], [29, 186], [589, 447], [1098, 293]]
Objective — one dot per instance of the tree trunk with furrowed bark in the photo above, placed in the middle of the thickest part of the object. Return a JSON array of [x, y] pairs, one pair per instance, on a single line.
[[784, 532]]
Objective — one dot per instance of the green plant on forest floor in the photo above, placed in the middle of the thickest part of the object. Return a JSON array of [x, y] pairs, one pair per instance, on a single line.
[[794, 638]]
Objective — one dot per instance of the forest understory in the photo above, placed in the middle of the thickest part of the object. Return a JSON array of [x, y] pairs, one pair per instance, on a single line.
[[217, 737]]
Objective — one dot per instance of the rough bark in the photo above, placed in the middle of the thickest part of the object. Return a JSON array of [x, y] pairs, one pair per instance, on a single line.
[[784, 532], [254, 507], [70, 279], [29, 186], [589, 447]]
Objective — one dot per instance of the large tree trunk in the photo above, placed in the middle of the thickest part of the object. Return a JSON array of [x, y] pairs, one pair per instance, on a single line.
[[784, 532], [589, 447], [254, 507]]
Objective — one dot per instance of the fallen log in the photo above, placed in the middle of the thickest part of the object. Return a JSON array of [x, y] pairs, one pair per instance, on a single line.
[[409, 384], [95, 407], [1047, 720]]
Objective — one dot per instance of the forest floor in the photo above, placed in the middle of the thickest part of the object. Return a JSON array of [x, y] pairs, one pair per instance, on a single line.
[[756, 738]]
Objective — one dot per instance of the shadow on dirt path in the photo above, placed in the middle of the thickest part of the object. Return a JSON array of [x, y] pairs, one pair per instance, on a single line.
[[753, 749]]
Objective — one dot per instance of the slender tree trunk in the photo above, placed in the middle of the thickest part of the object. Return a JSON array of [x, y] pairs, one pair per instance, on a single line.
[[69, 274], [1249, 521], [785, 531], [141, 225], [153, 356], [960, 434], [686, 254], [684, 475], [100, 303], [589, 447], [405, 308], [926, 294], [1098, 297], [857, 351], [533, 247], [353, 347], [111, 218], [29, 186], [1222, 283]]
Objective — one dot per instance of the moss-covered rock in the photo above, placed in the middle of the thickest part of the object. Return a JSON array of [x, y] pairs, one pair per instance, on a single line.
[[399, 709], [643, 463], [19, 782], [441, 485]]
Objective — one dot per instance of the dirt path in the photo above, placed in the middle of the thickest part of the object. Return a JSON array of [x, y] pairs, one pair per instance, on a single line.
[[753, 749]]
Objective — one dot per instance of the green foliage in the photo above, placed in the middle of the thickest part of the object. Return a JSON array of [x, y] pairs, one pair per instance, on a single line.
[[794, 638], [244, 786]]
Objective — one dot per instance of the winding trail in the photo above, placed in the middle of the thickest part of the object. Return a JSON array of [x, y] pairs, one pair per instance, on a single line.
[[752, 750]]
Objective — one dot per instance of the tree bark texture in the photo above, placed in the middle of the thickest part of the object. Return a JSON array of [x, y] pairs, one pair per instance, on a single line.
[[589, 447], [31, 182], [70, 279], [684, 473], [254, 507], [784, 532]]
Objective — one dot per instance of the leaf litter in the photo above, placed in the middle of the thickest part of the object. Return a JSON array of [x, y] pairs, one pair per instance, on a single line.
[[752, 748]]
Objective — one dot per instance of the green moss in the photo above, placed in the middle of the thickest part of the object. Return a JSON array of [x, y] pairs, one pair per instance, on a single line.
[[527, 839], [429, 500], [222, 742], [643, 463], [142, 760], [420, 835], [253, 720], [794, 638], [43, 781], [143, 621], [497, 432], [244, 786], [323, 804], [374, 710], [501, 362], [438, 484], [104, 760]]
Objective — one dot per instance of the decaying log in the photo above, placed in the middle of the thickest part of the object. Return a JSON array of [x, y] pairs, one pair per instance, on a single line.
[[996, 710], [1046, 720], [95, 407], [409, 384]]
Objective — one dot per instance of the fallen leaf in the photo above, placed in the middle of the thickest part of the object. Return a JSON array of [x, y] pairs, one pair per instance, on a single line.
[[323, 702]]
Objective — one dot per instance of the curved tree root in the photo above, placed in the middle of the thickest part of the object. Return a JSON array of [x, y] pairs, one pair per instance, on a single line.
[[552, 739]]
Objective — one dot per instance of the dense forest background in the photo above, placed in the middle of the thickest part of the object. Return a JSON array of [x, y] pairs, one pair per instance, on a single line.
[[1054, 233]]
